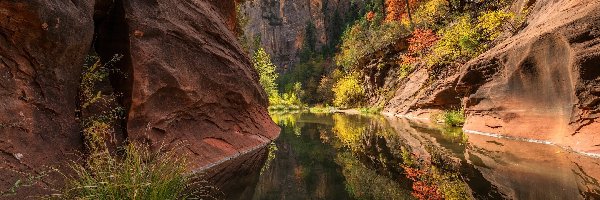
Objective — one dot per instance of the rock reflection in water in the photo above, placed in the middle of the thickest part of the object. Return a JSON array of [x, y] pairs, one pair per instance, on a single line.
[[339, 156]]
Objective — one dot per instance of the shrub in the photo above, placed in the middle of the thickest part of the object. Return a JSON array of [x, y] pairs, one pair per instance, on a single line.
[[418, 45], [266, 71], [348, 91], [432, 13], [491, 23], [405, 69], [365, 38], [288, 101], [396, 9], [454, 118], [307, 73], [421, 41], [139, 174], [459, 40]]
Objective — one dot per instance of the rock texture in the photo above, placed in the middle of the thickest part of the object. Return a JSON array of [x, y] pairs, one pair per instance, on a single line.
[[191, 81], [188, 81], [281, 25], [42, 49], [543, 82]]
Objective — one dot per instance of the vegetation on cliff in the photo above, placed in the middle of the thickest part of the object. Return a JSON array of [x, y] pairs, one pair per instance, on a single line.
[[113, 171], [266, 71], [435, 35]]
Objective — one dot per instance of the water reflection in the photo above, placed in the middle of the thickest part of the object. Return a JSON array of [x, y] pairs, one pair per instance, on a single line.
[[339, 156]]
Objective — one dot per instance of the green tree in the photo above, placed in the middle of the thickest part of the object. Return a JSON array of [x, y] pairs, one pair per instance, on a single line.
[[348, 91], [309, 45], [266, 71]]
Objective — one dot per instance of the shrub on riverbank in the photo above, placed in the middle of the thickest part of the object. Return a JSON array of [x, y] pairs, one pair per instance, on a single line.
[[348, 91], [454, 118]]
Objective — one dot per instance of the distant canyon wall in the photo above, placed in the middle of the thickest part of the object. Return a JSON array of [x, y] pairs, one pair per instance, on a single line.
[[281, 25]]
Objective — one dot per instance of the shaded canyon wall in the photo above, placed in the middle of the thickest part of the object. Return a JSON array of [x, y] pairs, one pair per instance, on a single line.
[[281, 25], [188, 80]]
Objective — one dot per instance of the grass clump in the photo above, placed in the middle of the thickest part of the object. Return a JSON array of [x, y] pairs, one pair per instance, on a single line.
[[370, 110], [454, 118], [130, 172], [138, 174]]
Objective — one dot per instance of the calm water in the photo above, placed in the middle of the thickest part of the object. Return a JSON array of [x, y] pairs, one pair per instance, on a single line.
[[339, 156]]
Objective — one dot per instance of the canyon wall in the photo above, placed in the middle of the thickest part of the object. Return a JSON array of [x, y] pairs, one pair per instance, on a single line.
[[281, 25], [541, 83], [191, 82], [42, 50], [188, 82]]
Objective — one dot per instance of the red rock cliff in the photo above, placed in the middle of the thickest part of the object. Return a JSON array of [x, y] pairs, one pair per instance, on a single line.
[[191, 81], [188, 80], [543, 82], [281, 25], [42, 49]]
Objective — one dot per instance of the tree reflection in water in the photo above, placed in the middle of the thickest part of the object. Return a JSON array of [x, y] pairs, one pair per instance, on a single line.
[[340, 156]]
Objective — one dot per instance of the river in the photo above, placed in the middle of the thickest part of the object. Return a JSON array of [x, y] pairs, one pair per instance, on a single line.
[[342, 156]]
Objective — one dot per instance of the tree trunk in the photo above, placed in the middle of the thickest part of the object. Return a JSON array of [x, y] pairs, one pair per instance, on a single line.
[[409, 15]]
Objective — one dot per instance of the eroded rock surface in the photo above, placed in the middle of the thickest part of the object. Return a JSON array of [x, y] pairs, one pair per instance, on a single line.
[[188, 83], [42, 49], [191, 82], [541, 83]]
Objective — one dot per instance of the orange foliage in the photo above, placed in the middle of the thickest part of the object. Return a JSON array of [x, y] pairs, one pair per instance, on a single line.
[[370, 16], [395, 10], [423, 189], [421, 40], [407, 59]]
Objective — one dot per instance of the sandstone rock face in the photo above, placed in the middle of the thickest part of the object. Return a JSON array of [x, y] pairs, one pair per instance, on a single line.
[[281, 25], [543, 82], [42, 49], [191, 82], [417, 96], [188, 82]]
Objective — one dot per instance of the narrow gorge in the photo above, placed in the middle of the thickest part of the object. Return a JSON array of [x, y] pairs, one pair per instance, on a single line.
[[299, 99]]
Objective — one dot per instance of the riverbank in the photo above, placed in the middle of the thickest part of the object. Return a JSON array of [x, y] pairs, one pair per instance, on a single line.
[[322, 155]]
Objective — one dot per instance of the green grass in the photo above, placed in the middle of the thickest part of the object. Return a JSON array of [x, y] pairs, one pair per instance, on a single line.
[[322, 109], [454, 118], [138, 174], [370, 110]]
